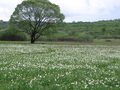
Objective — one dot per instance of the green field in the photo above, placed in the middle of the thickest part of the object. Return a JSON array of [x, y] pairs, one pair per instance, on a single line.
[[59, 67], [107, 42]]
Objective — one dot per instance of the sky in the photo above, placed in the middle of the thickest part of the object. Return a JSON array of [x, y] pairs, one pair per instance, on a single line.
[[74, 10]]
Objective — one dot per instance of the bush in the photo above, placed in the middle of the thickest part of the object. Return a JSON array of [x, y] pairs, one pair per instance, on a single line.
[[108, 40], [11, 34], [62, 36], [83, 37], [57, 36]]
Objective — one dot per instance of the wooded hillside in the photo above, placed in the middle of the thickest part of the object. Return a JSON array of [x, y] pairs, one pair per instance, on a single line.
[[82, 31]]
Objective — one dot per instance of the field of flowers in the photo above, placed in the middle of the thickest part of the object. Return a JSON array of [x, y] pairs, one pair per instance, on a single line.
[[59, 67]]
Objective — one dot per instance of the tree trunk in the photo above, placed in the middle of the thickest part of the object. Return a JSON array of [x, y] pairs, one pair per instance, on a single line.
[[32, 39]]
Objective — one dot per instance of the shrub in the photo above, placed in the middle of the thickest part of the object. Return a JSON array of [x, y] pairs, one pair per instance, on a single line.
[[108, 40], [83, 37], [11, 34]]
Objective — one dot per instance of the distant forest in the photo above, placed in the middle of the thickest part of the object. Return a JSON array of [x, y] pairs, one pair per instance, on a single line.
[[80, 31], [3, 24]]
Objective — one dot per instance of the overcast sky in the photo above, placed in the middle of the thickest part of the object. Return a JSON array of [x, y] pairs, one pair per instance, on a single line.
[[74, 10]]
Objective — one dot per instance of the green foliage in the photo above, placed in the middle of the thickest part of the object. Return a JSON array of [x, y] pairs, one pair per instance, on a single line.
[[75, 31], [34, 17], [3, 24], [95, 30], [83, 37], [11, 34]]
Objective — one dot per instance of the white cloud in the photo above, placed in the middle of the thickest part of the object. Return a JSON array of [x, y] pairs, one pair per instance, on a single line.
[[7, 7], [89, 10], [74, 10]]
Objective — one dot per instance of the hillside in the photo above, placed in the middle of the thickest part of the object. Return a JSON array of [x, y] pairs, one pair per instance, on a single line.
[[82, 31]]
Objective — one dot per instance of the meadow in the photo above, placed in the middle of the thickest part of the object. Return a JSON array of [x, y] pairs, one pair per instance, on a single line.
[[59, 67]]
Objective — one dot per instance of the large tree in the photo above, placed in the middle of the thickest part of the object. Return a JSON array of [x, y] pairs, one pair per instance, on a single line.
[[36, 16]]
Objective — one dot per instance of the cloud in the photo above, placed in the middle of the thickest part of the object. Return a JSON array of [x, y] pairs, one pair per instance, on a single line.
[[7, 7], [87, 2], [89, 10], [74, 10]]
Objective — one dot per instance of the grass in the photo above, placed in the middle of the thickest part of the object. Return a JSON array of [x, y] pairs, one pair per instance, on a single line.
[[107, 42], [59, 67]]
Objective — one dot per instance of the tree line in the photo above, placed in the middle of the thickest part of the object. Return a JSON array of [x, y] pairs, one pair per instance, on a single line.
[[75, 31]]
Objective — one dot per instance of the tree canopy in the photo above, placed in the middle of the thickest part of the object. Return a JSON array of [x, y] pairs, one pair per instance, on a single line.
[[36, 16]]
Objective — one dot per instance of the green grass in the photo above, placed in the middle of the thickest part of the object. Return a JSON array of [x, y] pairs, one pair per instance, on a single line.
[[107, 42], [59, 67]]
